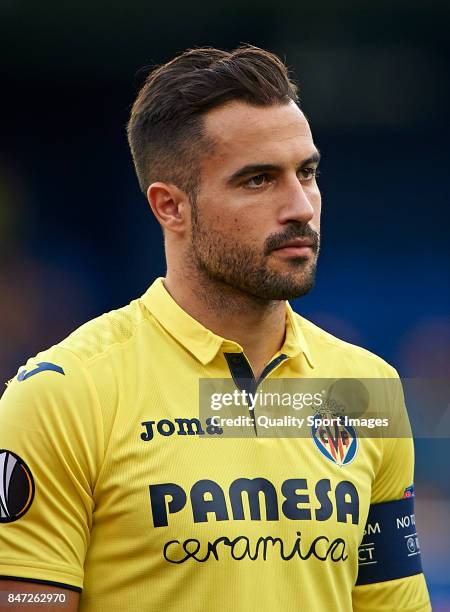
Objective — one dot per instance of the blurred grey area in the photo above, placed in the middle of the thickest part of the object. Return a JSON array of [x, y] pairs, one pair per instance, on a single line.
[[77, 237]]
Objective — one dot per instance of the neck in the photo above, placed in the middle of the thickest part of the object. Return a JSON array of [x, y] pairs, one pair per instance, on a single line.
[[257, 325]]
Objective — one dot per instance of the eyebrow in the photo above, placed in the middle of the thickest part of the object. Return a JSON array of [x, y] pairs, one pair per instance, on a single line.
[[261, 168]]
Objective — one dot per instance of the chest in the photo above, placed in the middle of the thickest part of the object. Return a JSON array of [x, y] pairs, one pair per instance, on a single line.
[[182, 490]]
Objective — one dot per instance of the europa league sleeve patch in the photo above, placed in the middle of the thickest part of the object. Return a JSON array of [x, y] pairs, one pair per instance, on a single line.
[[16, 487]]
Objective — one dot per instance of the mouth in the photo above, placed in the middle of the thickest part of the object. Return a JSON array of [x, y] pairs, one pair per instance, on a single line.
[[299, 247]]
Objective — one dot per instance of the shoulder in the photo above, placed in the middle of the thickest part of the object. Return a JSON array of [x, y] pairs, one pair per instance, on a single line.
[[73, 366], [107, 332], [328, 349]]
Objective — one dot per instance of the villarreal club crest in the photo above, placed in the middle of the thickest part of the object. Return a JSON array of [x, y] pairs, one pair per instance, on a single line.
[[336, 441], [334, 437]]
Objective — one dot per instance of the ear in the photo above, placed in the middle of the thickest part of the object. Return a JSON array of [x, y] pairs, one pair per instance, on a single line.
[[170, 205]]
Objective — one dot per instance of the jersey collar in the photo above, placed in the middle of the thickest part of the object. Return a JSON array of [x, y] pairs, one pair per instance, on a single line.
[[202, 342]]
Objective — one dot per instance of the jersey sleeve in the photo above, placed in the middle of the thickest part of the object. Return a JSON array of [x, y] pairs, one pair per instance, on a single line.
[[51, 448], [390, 575]]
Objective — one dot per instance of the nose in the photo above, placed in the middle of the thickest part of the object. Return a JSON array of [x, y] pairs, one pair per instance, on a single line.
[[297, 204]]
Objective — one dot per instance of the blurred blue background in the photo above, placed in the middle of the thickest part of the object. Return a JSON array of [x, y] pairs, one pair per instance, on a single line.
[[77, 237]]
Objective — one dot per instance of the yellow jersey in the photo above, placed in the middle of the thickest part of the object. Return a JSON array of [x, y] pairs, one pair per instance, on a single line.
[[113, 485]]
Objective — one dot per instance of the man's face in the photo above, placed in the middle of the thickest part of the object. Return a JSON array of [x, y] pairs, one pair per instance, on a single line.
[[255, 223]]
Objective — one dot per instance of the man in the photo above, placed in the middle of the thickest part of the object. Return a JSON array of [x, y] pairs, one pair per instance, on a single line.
[[113, 486]]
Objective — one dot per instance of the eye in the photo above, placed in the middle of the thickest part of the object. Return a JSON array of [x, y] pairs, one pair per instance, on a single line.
[[308, 173], [257, 181]]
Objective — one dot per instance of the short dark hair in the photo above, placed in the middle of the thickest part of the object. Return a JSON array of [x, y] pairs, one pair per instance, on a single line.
[[165, 130]]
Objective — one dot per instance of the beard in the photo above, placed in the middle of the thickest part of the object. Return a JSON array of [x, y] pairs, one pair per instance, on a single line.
[[221, 259]]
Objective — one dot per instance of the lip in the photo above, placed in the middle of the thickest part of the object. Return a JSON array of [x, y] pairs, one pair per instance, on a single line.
[[299, 247], [291, 251]]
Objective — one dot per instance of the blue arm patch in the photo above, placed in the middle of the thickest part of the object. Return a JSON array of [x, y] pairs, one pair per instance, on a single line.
[[390, 547]]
